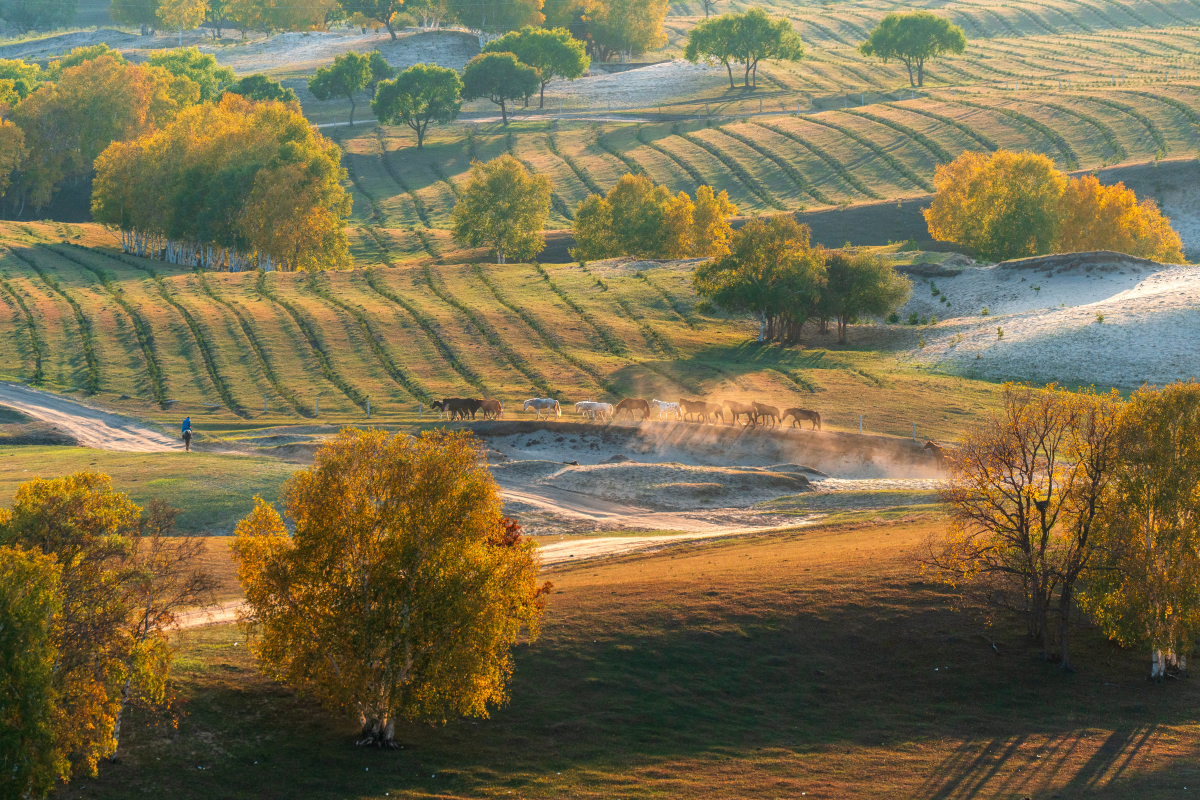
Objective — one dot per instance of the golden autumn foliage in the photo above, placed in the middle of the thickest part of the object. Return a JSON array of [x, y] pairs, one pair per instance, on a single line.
[[1013, 205], [250, 180], [402, 590], [504, 208], [640, 218]]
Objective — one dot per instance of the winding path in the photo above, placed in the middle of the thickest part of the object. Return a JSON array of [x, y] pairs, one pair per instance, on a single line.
[[89, 426]]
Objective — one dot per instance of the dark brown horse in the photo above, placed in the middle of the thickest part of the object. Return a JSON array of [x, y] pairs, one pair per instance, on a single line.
[[701, 409], [763, 410], [738, 409], [798, 414], [460, 407], [631, 404], [939, 453]]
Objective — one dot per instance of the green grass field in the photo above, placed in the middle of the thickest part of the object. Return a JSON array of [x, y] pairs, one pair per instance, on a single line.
[[814, 663], [170, 342]]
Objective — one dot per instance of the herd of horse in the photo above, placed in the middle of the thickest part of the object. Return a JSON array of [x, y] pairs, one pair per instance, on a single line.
[[755, 413]]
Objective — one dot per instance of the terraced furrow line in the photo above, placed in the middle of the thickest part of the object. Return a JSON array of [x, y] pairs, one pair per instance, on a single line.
[[797, 178], [318, 350], [1182, 108], [1083, 26], [210, 364], [691, 171], [679, 310], [829, 34], [1106, 133], [1131, 12], [430, 330], [547, 339], [422, 213], [1164, 9], [142, 330], [556, 200], [935, 149], [517, 361], [611, 343], [580, 171], [1036, 20], [35, 340], [735, 168], [972, 23], [1064, 147], [868, 79], [444, 178], [287, 394], [405, 380], [797, 379], [834, 164], [92, 384], [1112, 23], [634, 167], [1004, 22], [895, 163], [1147, 123], [983, 139]]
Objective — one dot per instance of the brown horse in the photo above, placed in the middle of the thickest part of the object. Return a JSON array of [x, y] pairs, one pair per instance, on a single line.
[[939, 453], [737, 409], [460, 407], [701, 409], [492, 409], [631, 404], [763, 410], [798, 414]]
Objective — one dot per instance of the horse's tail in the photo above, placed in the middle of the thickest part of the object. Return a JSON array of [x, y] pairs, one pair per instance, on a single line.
[[817, 419], [557, 409]]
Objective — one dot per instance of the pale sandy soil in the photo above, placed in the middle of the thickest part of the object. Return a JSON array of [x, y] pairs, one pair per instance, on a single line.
[[1051, 323], [88, 426]]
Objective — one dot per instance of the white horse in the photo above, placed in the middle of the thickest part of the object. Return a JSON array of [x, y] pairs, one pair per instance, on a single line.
[[665, 408], [540, 404], [594, 410]]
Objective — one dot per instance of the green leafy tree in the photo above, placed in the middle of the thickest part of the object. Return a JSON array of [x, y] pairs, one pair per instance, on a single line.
[[182, 14], [260, 87], [142, 13], [215, 14], [382, 11], [761, 37], [38, 15], [499, 77], [860, 284], [381, 70], [771, 271], [402, 591], [554, 53], [82, 55], [714, 40], [347, 76], [624, 27], [30, 760], [503, 207], [422, 94], [201, 68], [1147, 590], [913, 38], [25, 77]]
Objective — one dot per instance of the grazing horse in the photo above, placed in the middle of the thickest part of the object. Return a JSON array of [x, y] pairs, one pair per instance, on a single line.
[[666, 408], [798, 414], [540, 404], [492, 409], [939, 453], [737, 409], [460, 407], [631, 404], [442, 407], [702, 409], [592, 409], [763, 410]]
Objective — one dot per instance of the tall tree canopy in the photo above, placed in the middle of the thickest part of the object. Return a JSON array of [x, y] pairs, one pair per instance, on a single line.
[[401, 592], [381, 70], [201, 68], [499, 77], [860, 285], [714, 40], [745, 38], [504, 208], [771, 271], [1013, 205], [348, 75], [639, 218], [233, 185], [623, 27], [381, 11], [552, 52], [38, 15], [423, 94], [262, 87], [913, 38]]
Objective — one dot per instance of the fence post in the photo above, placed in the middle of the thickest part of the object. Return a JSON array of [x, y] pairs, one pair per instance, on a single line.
[[914, 431], [317, 400], [368, 408], [860, 424], [264, 404], [419, 407]]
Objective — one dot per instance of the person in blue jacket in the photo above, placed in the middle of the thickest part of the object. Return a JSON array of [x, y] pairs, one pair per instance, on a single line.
[[187, 434]]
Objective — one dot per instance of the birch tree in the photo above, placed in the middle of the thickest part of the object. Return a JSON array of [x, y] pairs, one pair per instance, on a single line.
[[402, 591], [1147, 591], [504, 208], [181, 14]]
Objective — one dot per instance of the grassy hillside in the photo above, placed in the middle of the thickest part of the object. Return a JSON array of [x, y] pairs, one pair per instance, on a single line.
[[815, 664], [159, 341]]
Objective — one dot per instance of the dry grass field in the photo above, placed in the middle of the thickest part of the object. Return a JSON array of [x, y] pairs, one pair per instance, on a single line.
[[160, 342], [813, 663]]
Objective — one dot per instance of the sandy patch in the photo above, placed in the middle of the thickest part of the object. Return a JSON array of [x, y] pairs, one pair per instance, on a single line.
[[1120, 322], [644, 87], [303, 53]]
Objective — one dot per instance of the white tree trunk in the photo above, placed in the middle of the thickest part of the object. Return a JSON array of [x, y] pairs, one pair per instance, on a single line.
[[1157, 664]]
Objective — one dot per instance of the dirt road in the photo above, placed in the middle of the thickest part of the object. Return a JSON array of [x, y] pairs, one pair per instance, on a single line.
[[89, 427]]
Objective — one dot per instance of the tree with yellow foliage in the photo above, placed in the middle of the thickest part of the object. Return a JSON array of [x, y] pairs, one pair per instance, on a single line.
[[1147, 590], [640, 218], [402, 590], [1014, 205], [504, 208]]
